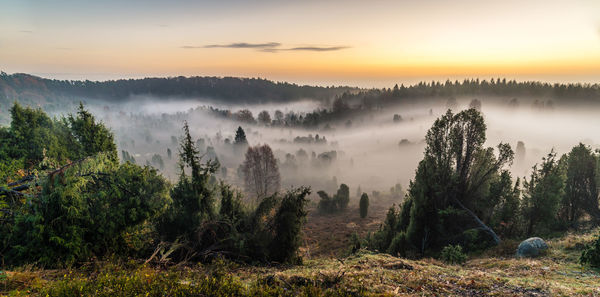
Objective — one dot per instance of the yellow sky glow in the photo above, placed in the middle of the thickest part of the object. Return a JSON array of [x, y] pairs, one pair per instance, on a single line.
[[376, 39]]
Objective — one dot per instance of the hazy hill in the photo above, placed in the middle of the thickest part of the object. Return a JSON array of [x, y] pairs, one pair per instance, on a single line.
[[53, 94]]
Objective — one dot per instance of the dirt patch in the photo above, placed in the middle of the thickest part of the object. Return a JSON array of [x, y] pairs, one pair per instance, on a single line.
[[327, 235]]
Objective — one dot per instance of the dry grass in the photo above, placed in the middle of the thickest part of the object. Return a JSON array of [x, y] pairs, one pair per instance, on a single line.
[[555, 274], [495, 272]]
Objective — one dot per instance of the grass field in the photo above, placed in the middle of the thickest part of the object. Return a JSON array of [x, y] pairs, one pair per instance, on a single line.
[[326, 272]]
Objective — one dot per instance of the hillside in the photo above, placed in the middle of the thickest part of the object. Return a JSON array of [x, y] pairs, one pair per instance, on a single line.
[[496, 273], [21, 86], [56, 95]]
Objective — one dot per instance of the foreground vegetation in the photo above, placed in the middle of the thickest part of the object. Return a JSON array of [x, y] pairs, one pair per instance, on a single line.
[[66, 199], [111, 228], [496, 272]]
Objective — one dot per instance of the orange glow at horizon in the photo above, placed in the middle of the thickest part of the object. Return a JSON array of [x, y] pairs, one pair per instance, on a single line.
[[332, 40]]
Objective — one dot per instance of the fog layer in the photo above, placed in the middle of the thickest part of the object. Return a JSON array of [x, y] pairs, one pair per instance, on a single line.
[[371, 150]]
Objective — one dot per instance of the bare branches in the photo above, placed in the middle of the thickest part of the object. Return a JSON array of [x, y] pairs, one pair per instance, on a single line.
[[261, 172]]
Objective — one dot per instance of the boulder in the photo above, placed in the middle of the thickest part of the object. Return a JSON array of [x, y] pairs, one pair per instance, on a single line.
[[531, 247]]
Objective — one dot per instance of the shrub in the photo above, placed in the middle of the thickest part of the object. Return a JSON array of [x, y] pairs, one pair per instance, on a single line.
[[364, 205], [343, 197], [338, 202], [591, 254], [453, 254], [399, 245], [326, 204], [87, 210], [288, 226], [355, 243]]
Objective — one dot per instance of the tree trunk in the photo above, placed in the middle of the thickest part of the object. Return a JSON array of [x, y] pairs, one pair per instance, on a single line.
[[479, 222]]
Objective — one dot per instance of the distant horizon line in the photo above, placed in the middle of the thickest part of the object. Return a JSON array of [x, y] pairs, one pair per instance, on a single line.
[[407, 81]]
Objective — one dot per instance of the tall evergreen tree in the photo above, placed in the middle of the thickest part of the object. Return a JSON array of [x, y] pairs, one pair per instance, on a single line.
[[240, 137], [581, 192], [445, 198], [92, 137], [193, 195], [542, 194]]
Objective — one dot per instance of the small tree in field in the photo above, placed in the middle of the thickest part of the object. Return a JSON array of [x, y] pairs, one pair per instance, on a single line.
[[343, 196], [261, 172], [364, 205]]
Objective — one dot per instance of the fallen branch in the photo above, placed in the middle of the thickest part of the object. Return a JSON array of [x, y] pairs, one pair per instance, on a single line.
[[481, 224], [62, 169], [21, 188], [23, 180], [11, 192]]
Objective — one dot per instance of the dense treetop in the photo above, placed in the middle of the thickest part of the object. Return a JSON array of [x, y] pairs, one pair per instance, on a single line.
[[60, 94]]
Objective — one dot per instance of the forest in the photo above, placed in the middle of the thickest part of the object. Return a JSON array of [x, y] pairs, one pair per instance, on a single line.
[[424, 179]]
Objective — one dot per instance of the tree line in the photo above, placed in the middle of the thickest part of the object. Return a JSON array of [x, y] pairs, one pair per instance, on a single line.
[[22, 87]]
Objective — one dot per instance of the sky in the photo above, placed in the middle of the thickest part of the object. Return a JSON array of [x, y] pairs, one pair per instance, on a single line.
[[352, 42]]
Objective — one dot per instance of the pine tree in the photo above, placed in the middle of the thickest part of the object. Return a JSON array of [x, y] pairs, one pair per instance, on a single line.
[[92, 137], [240, 136], [193, 195], [581, 193], [542, 194]]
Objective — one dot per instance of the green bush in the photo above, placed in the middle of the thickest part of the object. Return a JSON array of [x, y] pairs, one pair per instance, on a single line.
[[338, 202], [287, 225], [326, 204], [87, 210], [343, 196], [453, 254], [355, 243], [364, 205], [399, 246], [591, 254]]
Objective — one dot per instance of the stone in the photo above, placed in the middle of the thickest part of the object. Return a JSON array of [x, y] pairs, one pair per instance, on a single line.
[[531, 247]]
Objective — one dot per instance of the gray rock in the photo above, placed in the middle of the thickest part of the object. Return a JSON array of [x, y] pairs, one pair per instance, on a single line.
[[531, 247]]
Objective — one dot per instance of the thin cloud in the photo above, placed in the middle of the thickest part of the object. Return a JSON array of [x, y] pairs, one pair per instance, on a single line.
[[26, 31], [269, 47], [318, 48], [237, 45], [306, 49]]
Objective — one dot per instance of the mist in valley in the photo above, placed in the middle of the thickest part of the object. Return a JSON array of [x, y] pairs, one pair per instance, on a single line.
[[373, 150]]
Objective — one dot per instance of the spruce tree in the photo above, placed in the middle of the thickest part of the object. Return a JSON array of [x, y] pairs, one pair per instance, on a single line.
[[240, 137]]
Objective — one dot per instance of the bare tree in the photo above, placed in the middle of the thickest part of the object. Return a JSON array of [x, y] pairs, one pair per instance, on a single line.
[[261, 172], [245, 116], [264, 117]]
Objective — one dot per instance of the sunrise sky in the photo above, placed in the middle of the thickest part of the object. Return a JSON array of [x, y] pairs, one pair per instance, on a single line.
[[366, 43]]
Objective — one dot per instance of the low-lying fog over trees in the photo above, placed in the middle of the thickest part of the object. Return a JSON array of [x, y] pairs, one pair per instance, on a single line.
[[458, 173], [320, 137]]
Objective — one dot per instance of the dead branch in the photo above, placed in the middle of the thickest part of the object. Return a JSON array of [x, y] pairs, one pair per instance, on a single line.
[[479, 222]]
